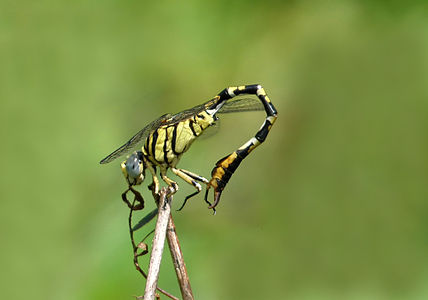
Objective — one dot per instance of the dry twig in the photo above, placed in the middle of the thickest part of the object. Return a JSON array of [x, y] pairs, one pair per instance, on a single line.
[[142, 247], [164, 211], [173, 243], [179, 265], [177, 256]]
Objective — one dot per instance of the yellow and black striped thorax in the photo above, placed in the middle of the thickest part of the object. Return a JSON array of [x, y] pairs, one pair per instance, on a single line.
[[166, 144]]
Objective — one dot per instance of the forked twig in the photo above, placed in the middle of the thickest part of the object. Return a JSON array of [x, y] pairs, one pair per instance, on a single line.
[[179, 265], [142, 247], [177, 256], [164, 211]]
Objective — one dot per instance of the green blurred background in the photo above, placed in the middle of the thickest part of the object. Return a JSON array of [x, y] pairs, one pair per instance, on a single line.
[[333, 206]]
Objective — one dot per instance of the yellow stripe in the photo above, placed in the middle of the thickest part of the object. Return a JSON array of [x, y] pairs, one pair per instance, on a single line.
[[219, 170], [261, 92], [159, 145], [271, 119], [204, 122], [170, 153], [196, 127], [184, 136], [231, 90], [149, 146]]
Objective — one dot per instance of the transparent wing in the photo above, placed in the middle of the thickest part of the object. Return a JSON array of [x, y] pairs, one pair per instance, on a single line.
[[185, 114], [232, 106], [166, 119], [134, 142], [241, 105]]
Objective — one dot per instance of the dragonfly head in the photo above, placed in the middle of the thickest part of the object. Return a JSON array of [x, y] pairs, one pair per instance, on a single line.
[[133, 168]]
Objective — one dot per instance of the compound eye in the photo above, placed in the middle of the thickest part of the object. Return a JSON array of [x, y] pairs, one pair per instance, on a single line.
[[134, 167]]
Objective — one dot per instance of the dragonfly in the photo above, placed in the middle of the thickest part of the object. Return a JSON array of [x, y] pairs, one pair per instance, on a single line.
[[162, 143]]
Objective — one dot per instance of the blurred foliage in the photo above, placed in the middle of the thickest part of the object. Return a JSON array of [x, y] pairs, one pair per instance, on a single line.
[[332, 206]]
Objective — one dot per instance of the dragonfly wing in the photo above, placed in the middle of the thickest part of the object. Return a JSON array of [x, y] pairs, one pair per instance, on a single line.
[[241, 105], [231, 106], [134, 142], [185, 114]]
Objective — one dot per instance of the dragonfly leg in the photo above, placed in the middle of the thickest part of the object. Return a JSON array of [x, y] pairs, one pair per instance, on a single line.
[[226, 166], [190, 178], [155, 182], [194, 176], [169, 181]]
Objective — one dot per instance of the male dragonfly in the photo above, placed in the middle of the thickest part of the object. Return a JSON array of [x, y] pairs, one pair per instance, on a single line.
[[162, 143]]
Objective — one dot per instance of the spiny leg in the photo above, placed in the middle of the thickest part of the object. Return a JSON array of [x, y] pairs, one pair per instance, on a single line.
[[194, 176], [190, 178], [168, 181], [225, 167]]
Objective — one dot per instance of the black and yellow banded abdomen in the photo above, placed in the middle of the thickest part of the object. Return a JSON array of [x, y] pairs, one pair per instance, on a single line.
[[225, 167]]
